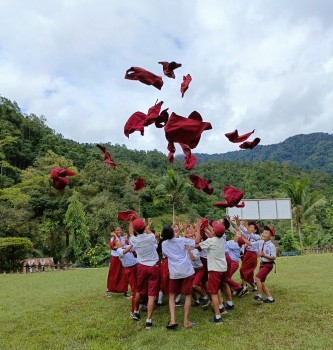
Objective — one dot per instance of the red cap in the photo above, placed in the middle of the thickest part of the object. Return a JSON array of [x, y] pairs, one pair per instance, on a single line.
[[184, 85], [139, 184], [270, 229], [219, 228], [234, 137], [144, 76], [232, 195], [138, 225], [127, 215], [250, 144]]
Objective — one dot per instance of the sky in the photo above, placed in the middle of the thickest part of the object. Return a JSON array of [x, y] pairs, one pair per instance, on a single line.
[[261, 64]]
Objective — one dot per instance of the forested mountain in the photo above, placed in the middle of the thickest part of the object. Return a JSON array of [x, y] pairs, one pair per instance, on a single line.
[[312, 152], [86, 210]]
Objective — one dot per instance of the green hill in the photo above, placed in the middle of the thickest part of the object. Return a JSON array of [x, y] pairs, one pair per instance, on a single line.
[[312, 152]]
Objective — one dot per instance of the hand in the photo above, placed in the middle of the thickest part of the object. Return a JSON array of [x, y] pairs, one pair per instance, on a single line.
[[150, 221], [261, 254]]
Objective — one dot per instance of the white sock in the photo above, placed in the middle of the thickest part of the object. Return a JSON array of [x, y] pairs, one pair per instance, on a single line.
[[218, 316], [136, 311], [221, 306], [270, 298], [230, 303], [148, 320], [160, 297], [259, 295], [205, 297], [178, 298]]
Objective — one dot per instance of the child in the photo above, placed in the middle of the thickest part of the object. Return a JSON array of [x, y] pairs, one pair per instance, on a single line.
[[116, 281], [216, 263], [148, 266], [267, 252], [181, 273], [129, 267]]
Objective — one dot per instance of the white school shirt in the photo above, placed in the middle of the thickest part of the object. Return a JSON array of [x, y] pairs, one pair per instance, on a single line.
[[203, 253], [145, 248], [179, 262], [128, 259], [252, 237], [234, 250], [197, 262], [216, 260], [122, 240], [267, 247]]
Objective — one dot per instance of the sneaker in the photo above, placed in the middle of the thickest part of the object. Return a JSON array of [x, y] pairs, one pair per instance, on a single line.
[[179, 303], [205, 302], [126, 295], [196, 304], [255, 289], [269, 301], [135, 316], [149, 325], [244, 292], [229, 307], [216, 320], [108, 294], [223, 311], [257, 299], [240, 292]]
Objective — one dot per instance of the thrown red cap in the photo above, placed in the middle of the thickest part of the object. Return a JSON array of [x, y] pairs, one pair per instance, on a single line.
[[139, 184], [138, 225], [241, 205], [127, 215], [144, 76], [184, 130], [200, 183], [250, 144], [184, 85], [60, 183], [234, 137], [172, 150], [162, 119], [221, 204], [59, 179], [135, 123], [168, 68], [153, 113], [204, 224], [219, 229], [107, 157], [270, 229], [232, 195], [190, 160]]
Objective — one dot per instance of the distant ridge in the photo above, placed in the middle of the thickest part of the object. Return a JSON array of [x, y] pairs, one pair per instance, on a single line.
[[311, 152]]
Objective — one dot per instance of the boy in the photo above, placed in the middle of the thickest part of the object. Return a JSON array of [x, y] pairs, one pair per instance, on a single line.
[[267, 252]]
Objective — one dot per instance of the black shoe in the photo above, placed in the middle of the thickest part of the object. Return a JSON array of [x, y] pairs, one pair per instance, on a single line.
[[149, 325], [179, 303], [257, 299], [267, 301], [159, 304], [135, 316], [196, 304], [205, 302], [229, 307], [216, 320], [143, 307], [240, 292], [126, 295]]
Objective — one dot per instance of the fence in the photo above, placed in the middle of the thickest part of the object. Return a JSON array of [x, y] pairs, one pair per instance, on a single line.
[[42, 264]]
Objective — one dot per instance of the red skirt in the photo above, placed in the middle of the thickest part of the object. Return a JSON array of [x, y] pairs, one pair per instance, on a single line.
[[116, 282], [249, 264], [164, 276]]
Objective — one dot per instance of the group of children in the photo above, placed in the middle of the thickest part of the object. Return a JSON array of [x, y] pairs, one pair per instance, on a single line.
[[196, 261]]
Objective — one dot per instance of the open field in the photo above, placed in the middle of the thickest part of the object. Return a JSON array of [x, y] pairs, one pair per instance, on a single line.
[[68, 310]]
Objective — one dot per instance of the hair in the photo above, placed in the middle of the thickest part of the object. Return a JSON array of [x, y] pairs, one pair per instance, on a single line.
[[167, 232], [226, 223]]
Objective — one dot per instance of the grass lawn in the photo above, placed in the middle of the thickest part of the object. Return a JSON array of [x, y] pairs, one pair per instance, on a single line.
[[68, 310]]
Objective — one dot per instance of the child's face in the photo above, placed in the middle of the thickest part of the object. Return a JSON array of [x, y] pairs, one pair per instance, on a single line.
[[252, 229], [118, 231], [266, 235], [117, 244]]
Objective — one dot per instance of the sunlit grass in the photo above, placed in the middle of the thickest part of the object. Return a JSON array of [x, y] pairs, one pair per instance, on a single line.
[[68, 310]]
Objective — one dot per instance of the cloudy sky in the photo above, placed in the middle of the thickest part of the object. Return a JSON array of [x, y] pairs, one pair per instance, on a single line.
[[261, 64]]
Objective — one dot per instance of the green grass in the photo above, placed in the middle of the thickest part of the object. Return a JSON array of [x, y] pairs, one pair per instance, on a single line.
[[68, 310]]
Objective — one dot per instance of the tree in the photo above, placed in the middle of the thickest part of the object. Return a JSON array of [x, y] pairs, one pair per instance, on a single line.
[[173, 189], [75, 221], [303, 203]]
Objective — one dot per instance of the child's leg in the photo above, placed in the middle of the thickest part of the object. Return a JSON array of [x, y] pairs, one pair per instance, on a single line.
[[266, 290], [187, 308], [260, 285], [137, 301], [227, 291], [150, 307], [215, 304], [172, 308]]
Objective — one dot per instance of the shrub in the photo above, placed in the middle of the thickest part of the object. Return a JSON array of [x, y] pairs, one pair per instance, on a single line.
[[13, 250], [288, 242]]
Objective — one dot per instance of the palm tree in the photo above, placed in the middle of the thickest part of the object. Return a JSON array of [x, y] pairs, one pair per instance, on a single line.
[[303, 203], [173, 189]]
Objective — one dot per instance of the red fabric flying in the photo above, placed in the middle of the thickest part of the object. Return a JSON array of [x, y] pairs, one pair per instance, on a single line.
[[190, 160], [235, 138], [184, 130], [172, 150], [135, 123], [144, 76], [232, 195], [162, 119], [107, 157], [168, 68], [204, 224], [184, 85], [59, 179], [153, 113], [250, 144], [221, 205], [127, 215], [139, 184], [201, 184]]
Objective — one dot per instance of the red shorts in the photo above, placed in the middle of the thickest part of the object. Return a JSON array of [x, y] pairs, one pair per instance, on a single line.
[[249, 264], [164, 276], [204, 263], [181, 285], [215, 278], [264, 270], [148, 279], [198, 276]]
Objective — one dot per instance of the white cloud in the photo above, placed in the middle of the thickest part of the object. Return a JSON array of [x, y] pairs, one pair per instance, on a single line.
[[255, 65]]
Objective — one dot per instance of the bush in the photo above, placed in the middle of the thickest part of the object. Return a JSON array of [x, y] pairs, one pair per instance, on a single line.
[[13, 250], [288, 242]]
